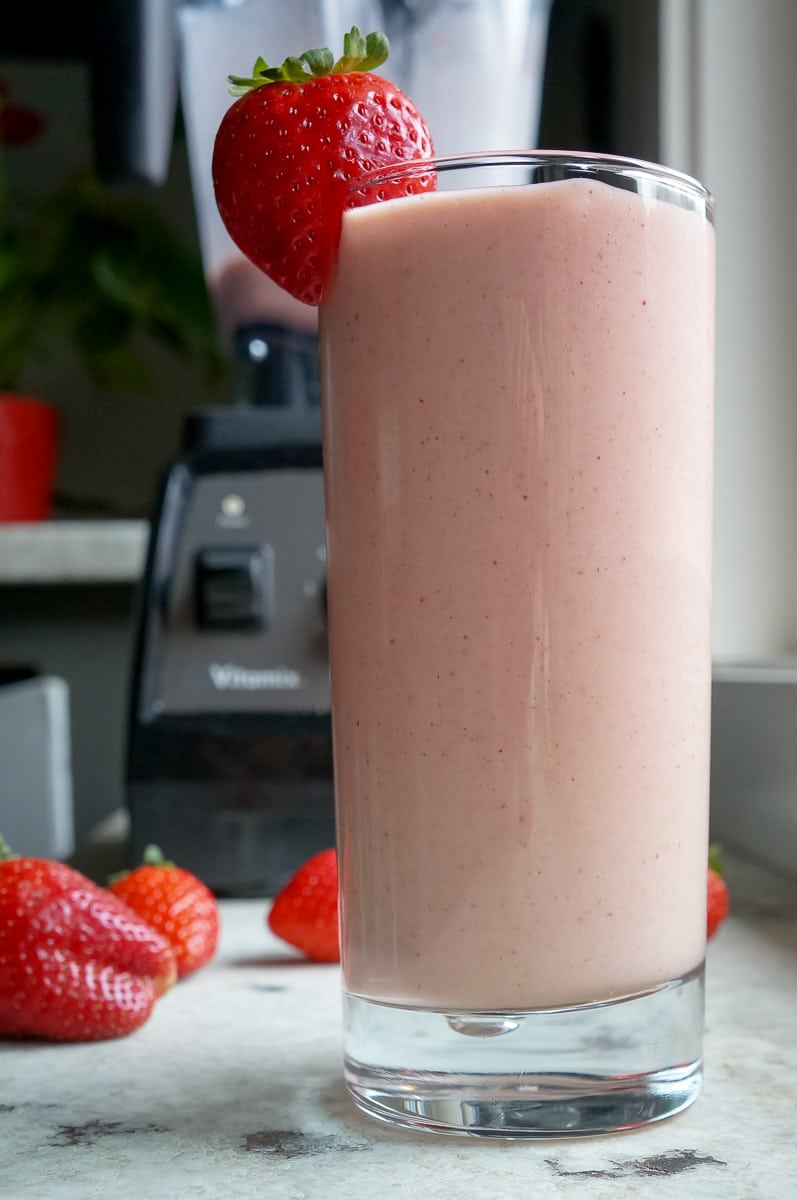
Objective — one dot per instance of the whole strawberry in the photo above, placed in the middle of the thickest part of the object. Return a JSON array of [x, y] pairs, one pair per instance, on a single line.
[[305, 913], [288, 150], [175, 903], [718, 895], [75, 963]]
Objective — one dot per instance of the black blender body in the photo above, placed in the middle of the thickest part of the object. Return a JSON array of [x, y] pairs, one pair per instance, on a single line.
[[229, 764]]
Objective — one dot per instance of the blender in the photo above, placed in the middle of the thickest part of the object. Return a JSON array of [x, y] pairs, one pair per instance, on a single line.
[[229, 763]]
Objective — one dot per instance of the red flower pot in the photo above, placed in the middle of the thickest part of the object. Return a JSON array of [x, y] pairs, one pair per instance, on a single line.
[[28, 456]]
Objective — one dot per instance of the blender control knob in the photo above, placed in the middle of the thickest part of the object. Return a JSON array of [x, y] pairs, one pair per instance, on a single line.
[[234, 588]]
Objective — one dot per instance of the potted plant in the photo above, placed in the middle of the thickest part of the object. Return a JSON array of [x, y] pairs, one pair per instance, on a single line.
[[101, 270]]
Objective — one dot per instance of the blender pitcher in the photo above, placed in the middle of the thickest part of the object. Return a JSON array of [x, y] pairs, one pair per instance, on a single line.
[[438, 49]]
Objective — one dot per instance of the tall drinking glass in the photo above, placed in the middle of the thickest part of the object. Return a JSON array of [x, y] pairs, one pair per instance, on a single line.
[[517, 372]]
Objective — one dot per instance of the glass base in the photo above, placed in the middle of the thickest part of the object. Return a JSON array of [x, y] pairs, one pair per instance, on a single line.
[[588, 1069]]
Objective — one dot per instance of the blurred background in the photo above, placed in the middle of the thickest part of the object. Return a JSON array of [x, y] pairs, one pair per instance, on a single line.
[[177, 388]]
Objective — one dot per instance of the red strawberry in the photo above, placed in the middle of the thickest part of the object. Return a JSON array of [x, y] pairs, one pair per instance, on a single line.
[[305, 913], [287, 151], [175, 903], [718, 896], [75, 963]]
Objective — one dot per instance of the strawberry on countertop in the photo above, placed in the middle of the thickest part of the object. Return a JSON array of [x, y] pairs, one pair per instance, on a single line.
[[76, 964], [289, 148], [175, 903], [305, 913], [718, 896]]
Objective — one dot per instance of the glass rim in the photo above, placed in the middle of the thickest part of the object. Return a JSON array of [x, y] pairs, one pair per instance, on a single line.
[[550, 166]]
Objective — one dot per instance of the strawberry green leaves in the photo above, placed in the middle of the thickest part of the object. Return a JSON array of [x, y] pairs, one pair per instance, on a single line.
[[360, 53]]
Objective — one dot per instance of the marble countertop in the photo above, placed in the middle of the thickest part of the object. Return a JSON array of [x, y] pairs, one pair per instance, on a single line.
[[233, 1090], [85, 551]]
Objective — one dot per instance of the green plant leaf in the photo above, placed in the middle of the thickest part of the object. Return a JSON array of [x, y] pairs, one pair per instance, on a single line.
[[108, 272]]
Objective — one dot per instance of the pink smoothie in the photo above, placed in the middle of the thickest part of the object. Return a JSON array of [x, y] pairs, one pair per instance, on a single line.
[[518, 429]]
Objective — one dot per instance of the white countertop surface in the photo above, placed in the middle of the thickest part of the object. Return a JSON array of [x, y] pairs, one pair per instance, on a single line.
[[233, 1090], [86, 551]]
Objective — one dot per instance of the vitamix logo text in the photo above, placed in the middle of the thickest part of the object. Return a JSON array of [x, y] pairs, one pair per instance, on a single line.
[[229, 677]]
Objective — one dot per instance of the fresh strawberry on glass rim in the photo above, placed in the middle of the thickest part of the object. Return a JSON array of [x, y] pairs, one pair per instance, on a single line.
[[290, 147]]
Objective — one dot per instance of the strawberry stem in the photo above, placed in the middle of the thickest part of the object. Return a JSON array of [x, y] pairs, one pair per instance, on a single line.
[[153, 857], [5, 850], [360, 53], [715, 859]]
